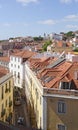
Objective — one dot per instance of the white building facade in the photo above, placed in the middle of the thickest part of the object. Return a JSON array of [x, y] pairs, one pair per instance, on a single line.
[[17, 66], [55, 36]]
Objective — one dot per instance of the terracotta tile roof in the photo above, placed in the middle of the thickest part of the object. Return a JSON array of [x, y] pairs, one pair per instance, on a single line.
[[5, 59], [59, 43], [24, 54], [63, 68], [14, 51], [51, 77], [41, 63], [3, 71]]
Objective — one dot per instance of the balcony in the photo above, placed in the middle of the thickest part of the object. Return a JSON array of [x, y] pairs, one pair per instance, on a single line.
[[10, 103], [3, 112]]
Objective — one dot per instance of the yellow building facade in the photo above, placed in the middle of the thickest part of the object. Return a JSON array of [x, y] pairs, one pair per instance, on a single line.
[[34, 92], [6, 98], [62, 111], [52, 108]]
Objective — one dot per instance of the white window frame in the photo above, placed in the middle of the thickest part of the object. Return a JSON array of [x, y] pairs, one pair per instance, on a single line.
[[61, 125], [18, 59], [11, 58], [61, 107], [76, 74]]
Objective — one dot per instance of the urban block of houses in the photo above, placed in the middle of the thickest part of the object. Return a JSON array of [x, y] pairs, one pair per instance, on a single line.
[[6, 96], [51, 88], [55, 36], [17, 66], [4, 61], [59, 45]]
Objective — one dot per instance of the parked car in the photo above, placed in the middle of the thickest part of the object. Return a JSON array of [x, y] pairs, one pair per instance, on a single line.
[[20, 120]]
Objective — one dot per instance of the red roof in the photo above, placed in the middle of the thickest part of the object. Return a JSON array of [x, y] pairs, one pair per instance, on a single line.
[[5, 59], [24, 54], [3, 71]]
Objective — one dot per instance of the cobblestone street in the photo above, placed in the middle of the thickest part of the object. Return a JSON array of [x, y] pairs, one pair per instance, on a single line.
[[20, 111]]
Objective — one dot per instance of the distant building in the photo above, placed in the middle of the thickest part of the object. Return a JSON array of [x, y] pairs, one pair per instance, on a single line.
[[54, 36], [4, 61]]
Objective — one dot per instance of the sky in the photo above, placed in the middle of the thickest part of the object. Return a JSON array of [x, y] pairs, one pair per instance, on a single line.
[[36, 17]]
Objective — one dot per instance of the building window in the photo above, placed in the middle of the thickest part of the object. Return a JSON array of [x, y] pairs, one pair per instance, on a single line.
[[15, 58], [61, 107], [11, 65], [2, 92], [6, 103], [18, 59], [18, 75], [2, 107], [11, 71], [9, 98], [9, 86], [65, 85], [76, 75], [11, 58], [61, 127], [6, 88], [18, 66], [15, 73], [37, 94], [18, 81]]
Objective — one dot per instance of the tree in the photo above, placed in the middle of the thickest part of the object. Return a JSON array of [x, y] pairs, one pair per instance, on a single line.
[[75, 50], [47, 43], [70, 34], [38, 38]]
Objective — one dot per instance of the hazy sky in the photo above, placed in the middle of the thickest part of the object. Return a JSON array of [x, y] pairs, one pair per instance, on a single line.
[[36, 17]]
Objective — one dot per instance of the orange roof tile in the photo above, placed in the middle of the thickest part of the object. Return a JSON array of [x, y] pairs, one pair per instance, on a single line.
[[51, 77], [5, 59], [58, 73], [24, 54], [3, 71], [59, 43]]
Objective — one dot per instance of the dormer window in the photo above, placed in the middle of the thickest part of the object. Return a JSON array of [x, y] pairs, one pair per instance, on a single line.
[[65, 85], [76, 75]]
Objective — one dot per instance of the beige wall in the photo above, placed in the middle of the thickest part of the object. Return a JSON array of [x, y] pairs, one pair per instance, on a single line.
[[7, 98], [69, 119]]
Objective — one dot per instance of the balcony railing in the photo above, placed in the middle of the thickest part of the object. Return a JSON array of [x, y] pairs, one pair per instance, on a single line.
[[61, 92], [3, 112]]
